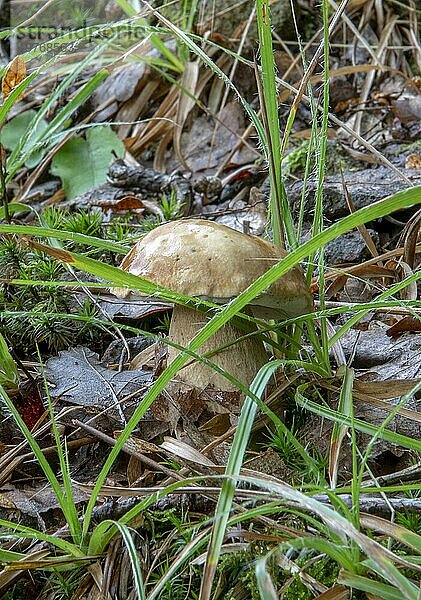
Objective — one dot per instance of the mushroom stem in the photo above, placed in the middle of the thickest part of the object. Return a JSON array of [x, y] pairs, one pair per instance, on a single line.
[[242, 360]]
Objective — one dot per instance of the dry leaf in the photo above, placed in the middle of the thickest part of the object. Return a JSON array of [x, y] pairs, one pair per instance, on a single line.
[[405, 324], [413, 161], [185, 452], [135, 470], [337, 592], [145, 359], [217, 425], [6, 503], [186, 102], [14, 75], [3, 156]]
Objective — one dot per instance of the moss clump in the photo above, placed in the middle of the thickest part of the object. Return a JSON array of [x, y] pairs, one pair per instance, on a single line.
[[324, 571], [236, 575], [28, 316], [337, 160]]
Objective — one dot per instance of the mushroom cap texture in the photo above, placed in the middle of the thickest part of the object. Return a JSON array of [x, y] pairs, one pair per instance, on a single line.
[[216, 263]]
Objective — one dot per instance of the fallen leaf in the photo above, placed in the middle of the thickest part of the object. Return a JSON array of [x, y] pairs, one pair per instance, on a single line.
[[413, 161], [6, 503], [406, 324], [83, 164], [185, 452], [14, 75], [29, 404], [79, 378]]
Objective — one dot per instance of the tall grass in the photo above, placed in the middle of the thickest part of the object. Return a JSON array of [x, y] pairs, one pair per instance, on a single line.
[[366, 564]]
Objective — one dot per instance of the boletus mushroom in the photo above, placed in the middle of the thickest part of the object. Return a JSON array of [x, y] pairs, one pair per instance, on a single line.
[[216, 263]]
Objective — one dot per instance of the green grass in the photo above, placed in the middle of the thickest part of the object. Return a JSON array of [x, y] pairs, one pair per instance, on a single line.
[[374, 556]]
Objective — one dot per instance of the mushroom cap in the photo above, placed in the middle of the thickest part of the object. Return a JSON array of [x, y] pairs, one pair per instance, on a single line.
[[213, 262]]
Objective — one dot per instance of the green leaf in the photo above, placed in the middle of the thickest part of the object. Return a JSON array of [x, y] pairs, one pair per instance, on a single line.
[[15, 207], [377, 588], [233, 468], [264, 581], [359, 424], [9, 375], [64, 501], [83, 164], [70, 236], [16, 128]]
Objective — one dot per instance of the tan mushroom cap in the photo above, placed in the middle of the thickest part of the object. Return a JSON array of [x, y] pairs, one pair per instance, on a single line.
[[216, 263]]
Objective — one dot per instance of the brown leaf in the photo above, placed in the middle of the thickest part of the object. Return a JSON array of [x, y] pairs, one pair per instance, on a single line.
[[405, 324], [409, 238], [413, 161], [56, 252], [185, 452], [134, 470], [129, 202], [186, 103], [391, 388], [217, 425], [337, 592], [14, 75], [2, 156]]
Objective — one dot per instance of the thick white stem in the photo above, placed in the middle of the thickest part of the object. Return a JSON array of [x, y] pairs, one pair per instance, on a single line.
[[242, 360]]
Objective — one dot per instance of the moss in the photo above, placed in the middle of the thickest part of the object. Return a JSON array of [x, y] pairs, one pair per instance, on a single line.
[[38, 326], [337, 159], [325, 571], [236, 575]]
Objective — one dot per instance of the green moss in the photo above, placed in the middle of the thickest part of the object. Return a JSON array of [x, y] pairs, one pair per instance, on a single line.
[[325, 571], [337, 159], [236, 575], [18, 261]]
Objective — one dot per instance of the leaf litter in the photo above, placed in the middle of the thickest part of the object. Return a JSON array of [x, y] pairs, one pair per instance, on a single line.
[[383, 350]]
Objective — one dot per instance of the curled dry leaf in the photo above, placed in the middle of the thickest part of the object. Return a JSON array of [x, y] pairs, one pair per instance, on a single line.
[[14, 75], [409, 238], [403, 270], [186, 102], [185, 452], [406, 324]]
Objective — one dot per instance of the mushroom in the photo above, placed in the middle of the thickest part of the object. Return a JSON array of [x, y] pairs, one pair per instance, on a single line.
[[213, 262]]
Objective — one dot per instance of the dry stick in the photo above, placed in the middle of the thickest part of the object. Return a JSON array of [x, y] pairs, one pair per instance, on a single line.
[[412, 473], [395, 310], [354, 134], [341, 124], [369, 80], [240, 49], [10, 467], [173, 476], [334, 272], [356, 33], [313, 63], [361, 228], [35, 15], [15, 450], [149, 462], [367, 503], [376, 506]]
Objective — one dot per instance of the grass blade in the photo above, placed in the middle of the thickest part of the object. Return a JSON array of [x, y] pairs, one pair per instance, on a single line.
[[339, 430], [235, 461]]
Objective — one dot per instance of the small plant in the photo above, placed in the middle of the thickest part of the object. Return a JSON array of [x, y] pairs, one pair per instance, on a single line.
[[170, 207], [410, 520], [9, 374], [29, 309]]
